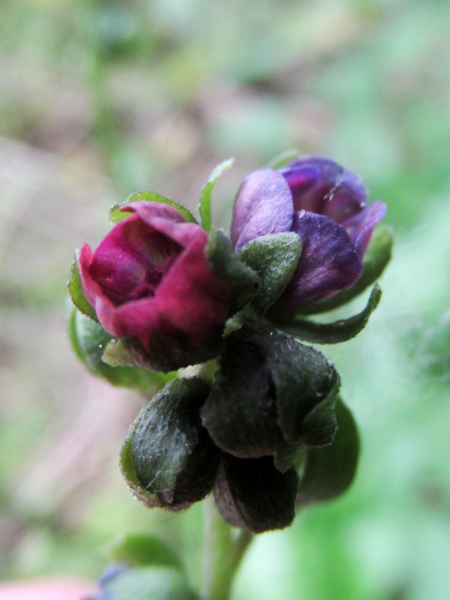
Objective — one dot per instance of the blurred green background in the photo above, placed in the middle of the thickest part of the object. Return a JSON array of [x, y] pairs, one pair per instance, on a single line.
[[99, 99]]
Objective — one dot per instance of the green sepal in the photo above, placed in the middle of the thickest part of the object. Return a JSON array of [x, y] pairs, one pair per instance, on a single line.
[[271, 396], [253, 495], [306, 386], [243, 281], [142, 549], [76, 291], [376, 258], [204, 207], [329, 471], [116, 215], [283, 159], [168, 459], [149, 583], [331, 333], [274, 257], [89, 340], [166, 352]]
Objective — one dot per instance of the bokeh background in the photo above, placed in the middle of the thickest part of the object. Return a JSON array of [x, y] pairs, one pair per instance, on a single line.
[[99, 99]]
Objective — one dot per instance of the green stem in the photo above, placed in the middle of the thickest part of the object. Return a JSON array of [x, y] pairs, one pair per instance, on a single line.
[[223, 554]]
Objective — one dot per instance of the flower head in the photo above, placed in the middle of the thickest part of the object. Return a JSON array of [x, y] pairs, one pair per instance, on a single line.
[[150, 274], [326, 206]]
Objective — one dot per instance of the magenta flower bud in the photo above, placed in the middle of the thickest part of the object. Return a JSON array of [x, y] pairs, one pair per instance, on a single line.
[[150, 274], [326, 206]]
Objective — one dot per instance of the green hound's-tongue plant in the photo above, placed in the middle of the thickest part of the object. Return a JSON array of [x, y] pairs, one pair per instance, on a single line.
[[259, 426]]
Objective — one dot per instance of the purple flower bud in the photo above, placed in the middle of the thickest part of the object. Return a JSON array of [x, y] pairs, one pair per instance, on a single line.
[[326, 206], [150, 273]]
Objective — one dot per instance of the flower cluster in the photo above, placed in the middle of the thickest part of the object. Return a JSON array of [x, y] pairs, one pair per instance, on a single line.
[[260, 425]]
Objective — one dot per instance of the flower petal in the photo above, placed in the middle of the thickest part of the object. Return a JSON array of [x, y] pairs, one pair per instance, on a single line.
[[190, 301], [360, 226], [263, 205], [131, 260], [328, 263], [321, 186]]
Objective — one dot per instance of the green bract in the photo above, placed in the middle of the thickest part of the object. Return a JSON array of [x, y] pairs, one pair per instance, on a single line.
[[243, 281], [205, 198], [89, 341], [331, 333], [168, 459], [274, 257], [327, 472], [267, 394]]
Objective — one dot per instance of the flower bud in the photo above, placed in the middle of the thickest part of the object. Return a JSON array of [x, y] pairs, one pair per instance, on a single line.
[[325, 205], [271, 397], [149, 281], [168, 458]]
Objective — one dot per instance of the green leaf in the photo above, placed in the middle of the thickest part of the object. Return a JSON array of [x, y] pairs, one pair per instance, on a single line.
[[117, 215], [243, 281], [254, 495], [376, 258], [89, 341], [306, 385], [167, 351], [266, 394], [282, 159], [329, 471], [331, 333], [141, 549], [76, 291], [274, 257], [150, 583], [168, 458], [205, 198]]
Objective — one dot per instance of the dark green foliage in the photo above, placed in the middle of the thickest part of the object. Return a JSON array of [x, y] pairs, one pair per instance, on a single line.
[[254, 495], [168, 459], [274, 257], [331, 333], [329, 471], [89, 341], [243, 281]]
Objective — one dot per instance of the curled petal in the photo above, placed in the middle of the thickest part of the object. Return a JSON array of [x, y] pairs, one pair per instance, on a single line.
[[321, 186], [328, 263], [360, 226], [150, 273], [131, 260], [263, 205], [190, 301]]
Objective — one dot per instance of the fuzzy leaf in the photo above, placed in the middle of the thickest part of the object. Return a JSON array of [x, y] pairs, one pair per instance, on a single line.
[[141, 549], [274, 257], [243, 281], [254, 495], [167, 453], [167, 352], [89, 341], [76, 292], [205, 198], [267, 386], [117, 215], [331, 333], [329, 471]]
